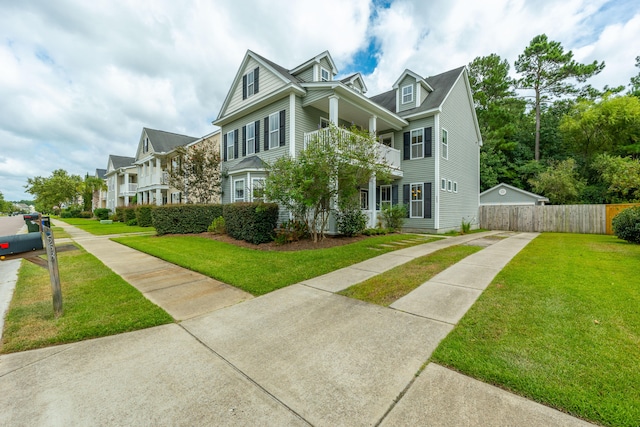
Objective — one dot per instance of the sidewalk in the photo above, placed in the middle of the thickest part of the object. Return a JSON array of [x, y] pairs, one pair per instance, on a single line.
[[301, 355]]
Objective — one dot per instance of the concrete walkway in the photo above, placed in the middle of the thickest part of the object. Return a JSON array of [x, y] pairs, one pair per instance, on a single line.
[[301, 355]]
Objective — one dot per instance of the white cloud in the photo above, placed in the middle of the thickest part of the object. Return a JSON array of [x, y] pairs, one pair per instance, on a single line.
[[80, 79]]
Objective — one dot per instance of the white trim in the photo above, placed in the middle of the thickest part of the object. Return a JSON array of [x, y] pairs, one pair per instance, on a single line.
[[411, 144], [292, 125], [231, 153], [326, 121], [390, 201], [316, 60], [253, 180], [386, 135], [444, 132], [322, 69], [235, 189], [253, 145], [443, 184], [455, 186], [449, 186], [418, 87], [436, 157], [271, 132]]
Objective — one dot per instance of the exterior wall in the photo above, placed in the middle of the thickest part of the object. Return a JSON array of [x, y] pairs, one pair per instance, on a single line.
[[462, 165], [306, 75], [314, 95], [267, 83], [511, 197], [417, 171], [324, 63], [406, 81]]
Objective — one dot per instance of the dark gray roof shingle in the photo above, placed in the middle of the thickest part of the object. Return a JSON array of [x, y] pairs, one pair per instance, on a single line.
[[164, 142], [100, 173], [121, 161], [253, 162]]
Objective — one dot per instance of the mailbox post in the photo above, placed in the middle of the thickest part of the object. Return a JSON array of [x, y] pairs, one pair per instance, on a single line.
[[52, 259]]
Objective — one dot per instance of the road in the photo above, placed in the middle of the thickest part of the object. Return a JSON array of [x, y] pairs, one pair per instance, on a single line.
[[8, 269]]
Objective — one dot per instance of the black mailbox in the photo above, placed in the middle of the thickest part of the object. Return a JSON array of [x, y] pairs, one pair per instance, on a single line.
[[19, 243]]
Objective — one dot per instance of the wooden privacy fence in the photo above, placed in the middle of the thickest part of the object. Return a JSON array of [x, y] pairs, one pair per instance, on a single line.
[[588, 219]]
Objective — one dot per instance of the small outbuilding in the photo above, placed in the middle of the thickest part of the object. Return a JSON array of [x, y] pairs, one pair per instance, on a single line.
[[505, 194]]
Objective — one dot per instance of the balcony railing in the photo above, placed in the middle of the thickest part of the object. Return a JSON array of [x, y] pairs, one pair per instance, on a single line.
[[126, 189], [149, 180], [344, 138]]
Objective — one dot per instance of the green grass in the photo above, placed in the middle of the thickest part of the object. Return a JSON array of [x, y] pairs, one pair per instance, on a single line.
[[388, 287], [96, 303], [59, 233], [259, 272], [93, 226], [560, 325]]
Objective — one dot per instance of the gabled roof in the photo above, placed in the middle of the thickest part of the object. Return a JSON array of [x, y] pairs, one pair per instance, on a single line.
[[121, 161], [352, 78], [253, 162], [314, 60], [100, 173], [441, 84], [280, 69], [517, 190], [163, 142]]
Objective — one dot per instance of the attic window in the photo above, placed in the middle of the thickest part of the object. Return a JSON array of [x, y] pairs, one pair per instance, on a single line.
[[324, 75], [407, 94], [146, 145], [250, 83]]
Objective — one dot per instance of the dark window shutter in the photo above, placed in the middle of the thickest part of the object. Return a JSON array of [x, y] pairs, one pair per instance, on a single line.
[[394, 195], [236, 141], [427, 199], [266, 133], [427, 142], [256, 80], [224, 147], [407, 145], [244, 141], [244, 87], [282, 127], [257, 125], [406, 198], [378, 198]]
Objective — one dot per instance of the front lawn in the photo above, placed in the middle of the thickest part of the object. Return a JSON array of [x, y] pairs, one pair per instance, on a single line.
[[259, 272], [94, 226], [96, 302], [560, 325]]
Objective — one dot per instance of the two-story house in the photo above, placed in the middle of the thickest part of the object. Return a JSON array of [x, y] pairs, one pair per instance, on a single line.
[[121, 179], [427, 129], [153, 156]]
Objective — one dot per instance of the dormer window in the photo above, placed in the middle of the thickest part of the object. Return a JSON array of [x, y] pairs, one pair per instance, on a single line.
[[145, 148], [250, 83], [407, 94], [324, 75]]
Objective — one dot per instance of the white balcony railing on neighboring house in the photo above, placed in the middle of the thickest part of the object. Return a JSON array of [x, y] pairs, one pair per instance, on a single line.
[[149, 180], [387, 155], [128, 189]]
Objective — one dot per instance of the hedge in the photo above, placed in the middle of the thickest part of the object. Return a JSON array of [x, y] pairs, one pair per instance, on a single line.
[[252, 222], [101, 213], [126, 213], [626, 225], [184, 219], [143, 215]]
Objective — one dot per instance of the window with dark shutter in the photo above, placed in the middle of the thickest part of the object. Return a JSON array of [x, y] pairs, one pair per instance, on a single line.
[[235, 146], [407, 145], [244, 87], [428, 142], [406, 197], [257, 125], [266, 133], [224, 147], [427, 200], [256, 74], [282, 122]]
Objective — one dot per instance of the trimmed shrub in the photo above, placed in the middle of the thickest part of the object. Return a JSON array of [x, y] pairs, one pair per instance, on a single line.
[[184, 219], [351, 222], [252, 222], [626, 225], [143, 215], [132, 222], [126, 213], [102, 213], [217, 226], [291, 231], [393, 216]]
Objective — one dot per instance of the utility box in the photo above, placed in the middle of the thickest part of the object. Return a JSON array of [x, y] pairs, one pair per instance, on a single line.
[[19, 243]]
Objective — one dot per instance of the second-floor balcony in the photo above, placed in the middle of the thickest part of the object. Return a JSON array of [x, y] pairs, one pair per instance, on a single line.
[[153, 179], [128, 189], [386, 155]]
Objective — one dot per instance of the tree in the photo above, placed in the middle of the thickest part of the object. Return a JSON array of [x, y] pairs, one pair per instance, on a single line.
[[559, 182], [546, 70], [490, 81], [621, 175], [635, 81], [195, 171], [4, 205], [58, 189], [324, 176], [90, 185]]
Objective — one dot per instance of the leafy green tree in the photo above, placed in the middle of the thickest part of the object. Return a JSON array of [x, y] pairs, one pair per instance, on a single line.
[[58, 189], [635, 81], [609, 126], [547, 69], [5, 206], [195, 172], [91, 184], [560, 182], [490, 81], [324, 176], [621, 175]]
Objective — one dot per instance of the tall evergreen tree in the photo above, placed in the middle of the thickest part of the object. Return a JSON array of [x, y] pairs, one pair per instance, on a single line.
[[547, 70]]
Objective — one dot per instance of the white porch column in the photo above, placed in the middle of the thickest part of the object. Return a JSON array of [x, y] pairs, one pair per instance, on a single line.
[[333, 109], [158, 197], [372, 125], [158, 172], [372, 201], [126, 200], [140, 197], [126, 182]]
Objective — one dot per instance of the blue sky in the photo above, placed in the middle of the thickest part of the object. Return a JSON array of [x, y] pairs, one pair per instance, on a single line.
[[80, 79]]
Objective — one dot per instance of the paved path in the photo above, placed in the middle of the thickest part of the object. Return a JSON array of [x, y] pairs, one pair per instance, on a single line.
[[301, 355]]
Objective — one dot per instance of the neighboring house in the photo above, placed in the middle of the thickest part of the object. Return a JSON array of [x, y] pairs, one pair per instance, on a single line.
[[505, 194], [427, 129], [99, 199], [153, 157], [121, 178], [210, 141]]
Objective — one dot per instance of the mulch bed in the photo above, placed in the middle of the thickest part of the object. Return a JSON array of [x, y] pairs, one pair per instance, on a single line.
[[300, 245]]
